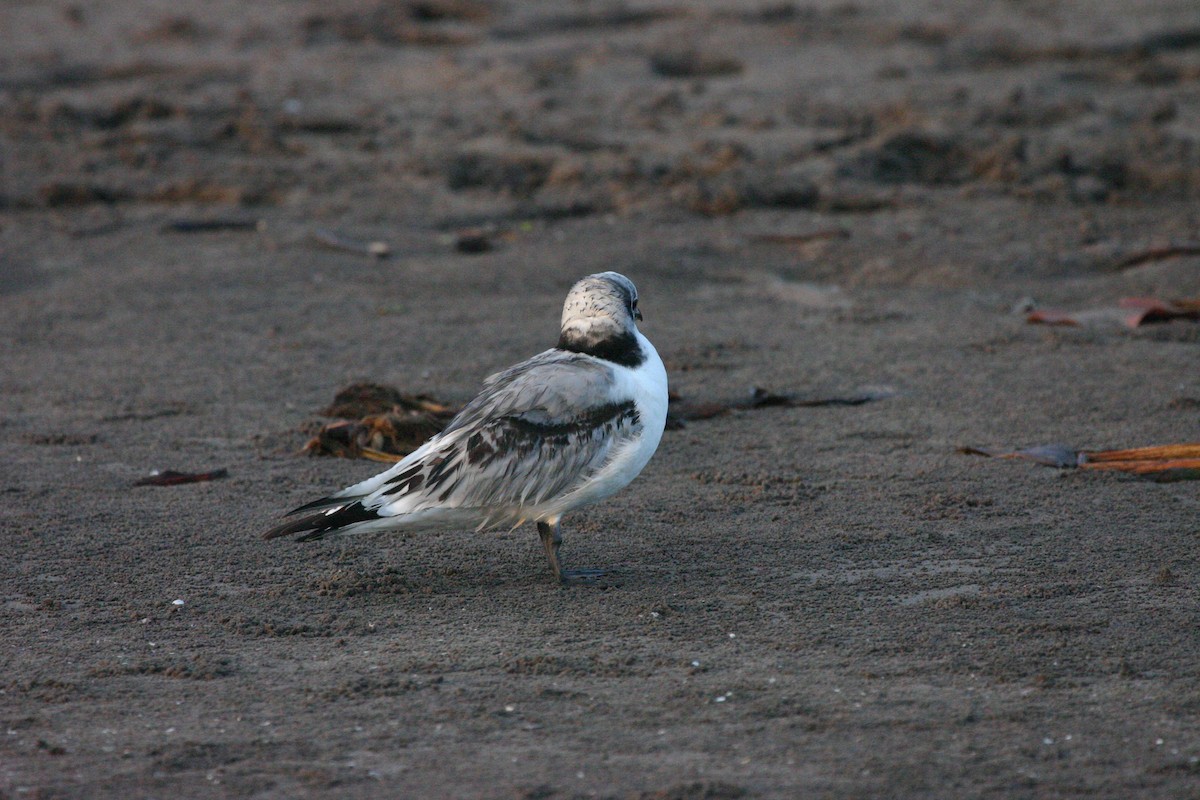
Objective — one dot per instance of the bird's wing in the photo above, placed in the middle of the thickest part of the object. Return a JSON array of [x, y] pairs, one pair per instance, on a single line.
[[535, 432]]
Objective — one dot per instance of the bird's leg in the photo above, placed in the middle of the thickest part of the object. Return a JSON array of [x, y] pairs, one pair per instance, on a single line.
[[552, 540]]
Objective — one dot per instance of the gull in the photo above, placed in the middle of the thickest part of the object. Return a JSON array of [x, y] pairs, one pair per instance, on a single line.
[[571, 426]]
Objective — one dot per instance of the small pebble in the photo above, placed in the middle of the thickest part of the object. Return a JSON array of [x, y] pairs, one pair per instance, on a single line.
[[472, 241]]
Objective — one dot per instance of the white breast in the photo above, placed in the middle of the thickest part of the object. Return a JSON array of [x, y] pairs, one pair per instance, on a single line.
[[647, 385]]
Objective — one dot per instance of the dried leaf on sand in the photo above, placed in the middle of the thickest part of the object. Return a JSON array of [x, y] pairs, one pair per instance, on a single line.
[[170, 477], [378, 422], [1132, 312], [1175, 462], [682, 411], [364, 399]]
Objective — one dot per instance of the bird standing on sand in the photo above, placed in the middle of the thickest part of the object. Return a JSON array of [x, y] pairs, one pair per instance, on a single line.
[[566, 428]]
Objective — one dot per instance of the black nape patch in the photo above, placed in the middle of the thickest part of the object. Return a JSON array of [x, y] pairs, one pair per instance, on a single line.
[[622, 348]]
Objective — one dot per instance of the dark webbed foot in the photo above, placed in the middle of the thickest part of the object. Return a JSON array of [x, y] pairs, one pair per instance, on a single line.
[[552, 540]]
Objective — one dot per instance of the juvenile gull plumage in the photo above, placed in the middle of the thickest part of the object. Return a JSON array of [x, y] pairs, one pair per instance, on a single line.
[[570, 426]]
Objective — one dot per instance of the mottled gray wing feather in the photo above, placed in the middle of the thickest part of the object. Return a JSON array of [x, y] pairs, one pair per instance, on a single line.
[[536, 431]]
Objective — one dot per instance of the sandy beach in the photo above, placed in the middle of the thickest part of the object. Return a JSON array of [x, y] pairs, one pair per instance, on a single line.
[[828, 200]]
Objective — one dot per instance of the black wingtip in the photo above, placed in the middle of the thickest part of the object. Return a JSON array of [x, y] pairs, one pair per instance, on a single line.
[[309, 523], [315, 526], [324, 502]]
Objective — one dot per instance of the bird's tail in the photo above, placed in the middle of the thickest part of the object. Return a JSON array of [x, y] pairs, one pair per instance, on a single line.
[[339, 516]]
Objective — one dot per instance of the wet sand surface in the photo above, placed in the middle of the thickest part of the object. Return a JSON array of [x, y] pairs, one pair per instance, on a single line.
[[818, 198]]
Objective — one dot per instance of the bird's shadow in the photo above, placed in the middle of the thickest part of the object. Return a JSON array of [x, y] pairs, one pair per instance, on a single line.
[[360, 570]]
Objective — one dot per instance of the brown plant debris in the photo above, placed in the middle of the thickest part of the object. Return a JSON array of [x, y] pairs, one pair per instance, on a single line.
[[682, 411], [363, 399], [1173, 462], [762, 398], [379, 437], [335, 241], [694, 64], [170, 477], [797, 239], [1132, 312], [473, 241], [213, 225], [431, 24], [378, 422], [1159, 253]]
